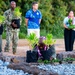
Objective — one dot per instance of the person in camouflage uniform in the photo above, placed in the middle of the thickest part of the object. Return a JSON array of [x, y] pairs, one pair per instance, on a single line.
[[11, 34]]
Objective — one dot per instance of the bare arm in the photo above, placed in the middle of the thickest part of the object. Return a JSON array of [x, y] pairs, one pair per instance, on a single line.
[[39, 21], [65, 26], [26, 21]]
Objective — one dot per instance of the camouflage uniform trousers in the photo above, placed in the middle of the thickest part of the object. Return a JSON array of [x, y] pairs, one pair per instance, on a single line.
[[12, 35]]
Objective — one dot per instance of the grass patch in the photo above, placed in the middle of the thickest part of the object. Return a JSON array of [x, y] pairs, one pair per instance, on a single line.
[[22, 35], [4, 35]]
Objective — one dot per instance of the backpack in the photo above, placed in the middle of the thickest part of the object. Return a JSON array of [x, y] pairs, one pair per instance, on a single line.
[[31, 56], [17, 22]]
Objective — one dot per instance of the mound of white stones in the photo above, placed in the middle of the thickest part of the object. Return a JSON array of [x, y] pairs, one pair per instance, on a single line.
[[61, 69], [6, 71]]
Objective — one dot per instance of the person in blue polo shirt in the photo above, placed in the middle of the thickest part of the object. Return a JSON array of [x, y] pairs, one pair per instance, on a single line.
[[33, 19]]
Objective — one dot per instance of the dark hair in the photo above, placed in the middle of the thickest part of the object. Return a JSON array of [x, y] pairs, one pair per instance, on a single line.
[[34, 3], [12, 1], [71, 11]]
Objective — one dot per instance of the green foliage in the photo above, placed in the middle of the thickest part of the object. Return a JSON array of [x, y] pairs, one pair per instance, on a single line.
[[71, 27], [70, 21], [43, 32], [22, 35], [23, 28], [46, 62], [49, 40], [40, 61], [71, 24], [2, 19], [4, 4], [32, 39], [69, 59], [49, 61], [53, 13], [60, 11], [4, 35], [17, 12]]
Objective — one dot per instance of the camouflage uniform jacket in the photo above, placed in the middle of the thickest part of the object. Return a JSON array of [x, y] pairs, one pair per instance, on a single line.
[[9, 15]]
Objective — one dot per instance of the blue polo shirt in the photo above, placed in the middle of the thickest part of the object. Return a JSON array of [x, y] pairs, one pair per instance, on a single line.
[[33, 19]]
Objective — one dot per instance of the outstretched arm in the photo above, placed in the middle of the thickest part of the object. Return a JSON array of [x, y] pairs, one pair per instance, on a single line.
[[26, 21]]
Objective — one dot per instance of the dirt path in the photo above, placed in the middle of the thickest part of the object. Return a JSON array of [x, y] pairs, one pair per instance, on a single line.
[[23, 46]]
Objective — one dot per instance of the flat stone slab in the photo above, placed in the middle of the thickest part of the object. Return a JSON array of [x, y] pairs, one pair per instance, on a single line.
[[31, 68], [63, 55]]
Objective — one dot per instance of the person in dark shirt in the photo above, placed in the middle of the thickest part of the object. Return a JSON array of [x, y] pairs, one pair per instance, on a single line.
[[1, 31], [69, 34]]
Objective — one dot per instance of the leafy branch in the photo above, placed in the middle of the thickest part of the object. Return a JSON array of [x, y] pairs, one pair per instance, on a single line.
[[49, 40], [2, 19], [17, 12], [56, 60], [32, 39], [69, 59], [71, 26], [48, 61]]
